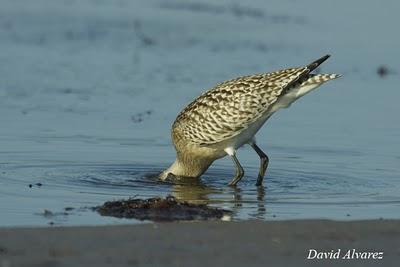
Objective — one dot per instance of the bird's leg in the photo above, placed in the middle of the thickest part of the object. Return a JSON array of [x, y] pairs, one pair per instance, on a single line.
[[239, 171], [264, 160]]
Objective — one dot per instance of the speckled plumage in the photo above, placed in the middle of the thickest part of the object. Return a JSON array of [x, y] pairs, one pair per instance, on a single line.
[[223, 111], [227, 110]]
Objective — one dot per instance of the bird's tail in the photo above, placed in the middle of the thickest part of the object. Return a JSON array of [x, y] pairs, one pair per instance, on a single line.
[[319, 78]]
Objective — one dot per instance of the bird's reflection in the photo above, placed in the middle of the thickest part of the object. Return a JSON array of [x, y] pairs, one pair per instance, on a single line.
[[261, 210], [237, 197], [194, 191]]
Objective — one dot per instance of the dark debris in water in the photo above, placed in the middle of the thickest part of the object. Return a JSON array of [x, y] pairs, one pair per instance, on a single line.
[[384, 71], [160, 209], [37, 184], [139, 117], [50, 214]]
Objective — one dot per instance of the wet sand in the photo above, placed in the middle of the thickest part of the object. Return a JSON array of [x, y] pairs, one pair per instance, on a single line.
[[250, 243]]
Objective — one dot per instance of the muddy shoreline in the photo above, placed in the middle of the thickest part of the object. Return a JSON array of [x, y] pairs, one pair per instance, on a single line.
[[250, 243]]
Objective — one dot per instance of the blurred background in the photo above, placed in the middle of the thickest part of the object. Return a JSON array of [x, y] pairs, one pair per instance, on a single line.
[[90, 88]]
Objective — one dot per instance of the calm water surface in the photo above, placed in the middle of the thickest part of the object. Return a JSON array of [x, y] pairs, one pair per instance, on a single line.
[[88, 92]]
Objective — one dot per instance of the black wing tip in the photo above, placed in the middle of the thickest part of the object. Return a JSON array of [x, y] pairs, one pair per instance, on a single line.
[[312, 66]]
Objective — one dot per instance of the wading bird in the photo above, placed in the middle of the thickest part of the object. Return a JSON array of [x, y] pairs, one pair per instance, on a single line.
[[229, 115]]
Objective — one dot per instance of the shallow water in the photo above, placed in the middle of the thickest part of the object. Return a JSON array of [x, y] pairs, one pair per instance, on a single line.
[[89, 89]]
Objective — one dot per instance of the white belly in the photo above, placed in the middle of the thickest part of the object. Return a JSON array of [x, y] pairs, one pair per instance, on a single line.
[[247, 135]]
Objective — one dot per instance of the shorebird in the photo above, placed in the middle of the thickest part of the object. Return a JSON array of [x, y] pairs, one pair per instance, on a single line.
[[229, 115]]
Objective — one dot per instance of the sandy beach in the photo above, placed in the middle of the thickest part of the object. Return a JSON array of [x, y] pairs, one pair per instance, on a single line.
[[251, 243]]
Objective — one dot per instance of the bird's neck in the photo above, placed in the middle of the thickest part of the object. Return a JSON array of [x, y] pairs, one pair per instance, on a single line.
[[187, 167]]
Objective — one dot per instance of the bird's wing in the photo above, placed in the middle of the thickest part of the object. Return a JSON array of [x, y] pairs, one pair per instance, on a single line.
[[230, 107]]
